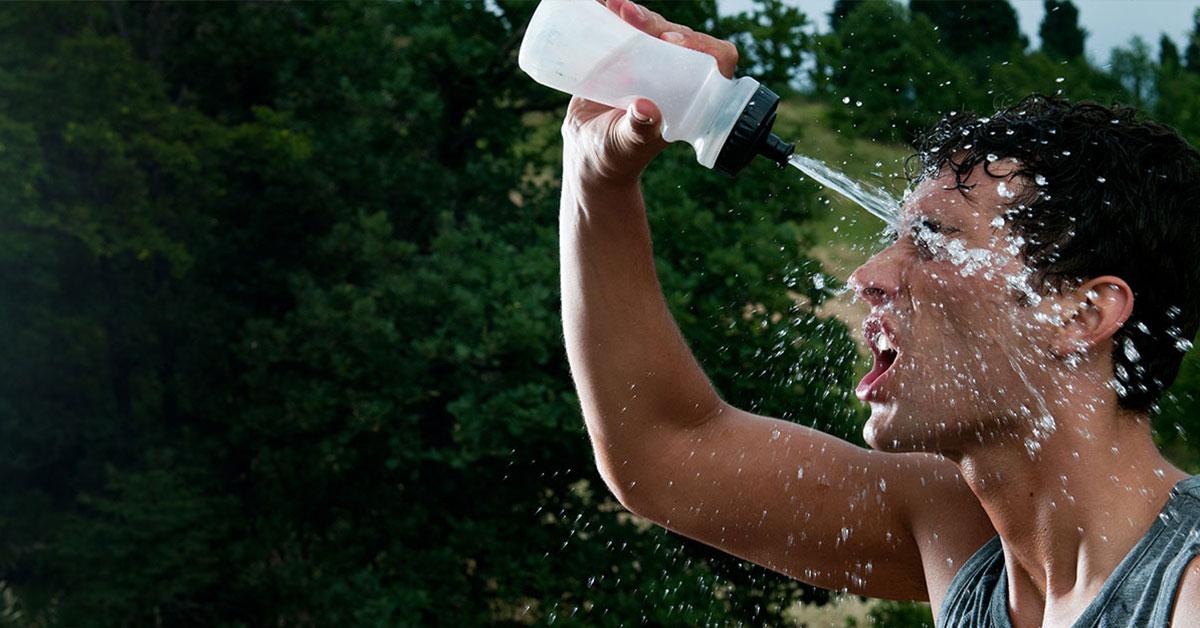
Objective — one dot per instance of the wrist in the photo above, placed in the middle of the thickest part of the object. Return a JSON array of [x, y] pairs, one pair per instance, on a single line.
[[604, 205], [587, 175], [591, 186]]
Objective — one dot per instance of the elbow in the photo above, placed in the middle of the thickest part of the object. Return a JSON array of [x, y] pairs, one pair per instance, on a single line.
[[620, 481], [636, 500], [636, 486], [640, 462]]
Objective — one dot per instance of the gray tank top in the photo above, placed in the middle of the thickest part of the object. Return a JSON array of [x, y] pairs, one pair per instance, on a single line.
[[1140, 593]]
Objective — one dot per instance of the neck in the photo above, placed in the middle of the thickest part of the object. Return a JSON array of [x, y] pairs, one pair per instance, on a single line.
[[1070, 506]]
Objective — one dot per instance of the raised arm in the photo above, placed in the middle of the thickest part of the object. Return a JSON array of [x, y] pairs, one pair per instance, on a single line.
[[781, 495]]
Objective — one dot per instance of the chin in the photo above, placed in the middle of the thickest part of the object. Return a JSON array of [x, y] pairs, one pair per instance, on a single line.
[[881, 431]]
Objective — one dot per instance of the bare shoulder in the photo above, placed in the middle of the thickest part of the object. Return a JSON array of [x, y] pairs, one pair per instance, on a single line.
[[1187, 599]]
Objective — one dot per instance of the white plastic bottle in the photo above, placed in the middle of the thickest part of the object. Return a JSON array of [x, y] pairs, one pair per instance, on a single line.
[[582, 48]]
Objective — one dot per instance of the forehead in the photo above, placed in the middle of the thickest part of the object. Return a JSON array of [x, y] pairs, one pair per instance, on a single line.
[[982, 196]]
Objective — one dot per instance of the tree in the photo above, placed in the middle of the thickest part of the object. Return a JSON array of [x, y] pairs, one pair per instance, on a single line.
[[1177, 94], [1062, 37], [1168, 53], [1038, 72], [887, 75], [285, 348], [775, 42], [1192, 54], [127, 280], [977, 33], [1135, 69], [841, 9]]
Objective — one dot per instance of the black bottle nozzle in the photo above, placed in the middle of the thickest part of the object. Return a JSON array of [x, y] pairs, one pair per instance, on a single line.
[[777, 150], [751, 135]]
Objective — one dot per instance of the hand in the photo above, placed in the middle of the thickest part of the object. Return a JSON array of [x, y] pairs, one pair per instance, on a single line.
[[603, 144]]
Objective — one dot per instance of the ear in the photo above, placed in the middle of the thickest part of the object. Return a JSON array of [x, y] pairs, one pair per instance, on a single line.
[[1101, 306]]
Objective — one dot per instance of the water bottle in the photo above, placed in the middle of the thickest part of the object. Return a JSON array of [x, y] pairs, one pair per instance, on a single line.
[[582, 48]]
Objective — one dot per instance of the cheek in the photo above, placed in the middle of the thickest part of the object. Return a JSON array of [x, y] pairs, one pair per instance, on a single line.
[[957, 305], [967, 329]]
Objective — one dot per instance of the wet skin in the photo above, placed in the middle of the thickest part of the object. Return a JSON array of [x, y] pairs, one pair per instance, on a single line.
[[968, 334], [1013, 385]]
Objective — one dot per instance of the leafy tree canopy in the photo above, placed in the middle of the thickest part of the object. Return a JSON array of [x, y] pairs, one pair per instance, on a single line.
[[1062, 37], [977, 33]]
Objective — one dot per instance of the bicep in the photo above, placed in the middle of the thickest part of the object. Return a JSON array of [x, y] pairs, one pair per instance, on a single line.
[[800, 502]]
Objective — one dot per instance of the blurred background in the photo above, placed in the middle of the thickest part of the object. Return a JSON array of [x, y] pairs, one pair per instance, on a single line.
[[279, 327]]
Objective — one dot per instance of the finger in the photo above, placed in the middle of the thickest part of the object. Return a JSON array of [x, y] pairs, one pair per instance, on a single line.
[[725, 52], [644, 117], [642, 18], [640, 132], [656, 25]]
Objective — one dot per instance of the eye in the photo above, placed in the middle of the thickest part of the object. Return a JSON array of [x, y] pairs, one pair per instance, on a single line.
[[924, 234], [929, 224], [929, 236]]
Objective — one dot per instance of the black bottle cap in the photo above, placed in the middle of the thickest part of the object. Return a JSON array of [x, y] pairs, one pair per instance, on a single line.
[[751, 135]]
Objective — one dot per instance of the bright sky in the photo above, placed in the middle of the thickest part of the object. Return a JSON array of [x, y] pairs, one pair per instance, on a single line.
[[1109, 23]]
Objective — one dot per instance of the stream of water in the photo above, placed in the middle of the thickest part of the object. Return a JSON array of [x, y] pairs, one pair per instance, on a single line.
[[874, 199]]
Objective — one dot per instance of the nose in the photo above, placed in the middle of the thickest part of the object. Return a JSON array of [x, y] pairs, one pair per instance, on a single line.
[[878, 280]]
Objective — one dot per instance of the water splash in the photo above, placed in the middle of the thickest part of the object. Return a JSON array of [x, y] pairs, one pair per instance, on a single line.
[[876, 200]]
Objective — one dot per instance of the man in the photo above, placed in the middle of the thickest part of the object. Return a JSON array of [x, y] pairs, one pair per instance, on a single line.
[[1038, 298]]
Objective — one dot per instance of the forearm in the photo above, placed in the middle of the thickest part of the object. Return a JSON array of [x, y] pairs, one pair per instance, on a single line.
[[637, 380]]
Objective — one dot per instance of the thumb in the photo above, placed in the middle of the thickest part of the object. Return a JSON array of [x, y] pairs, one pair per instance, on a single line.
[[641, 131]]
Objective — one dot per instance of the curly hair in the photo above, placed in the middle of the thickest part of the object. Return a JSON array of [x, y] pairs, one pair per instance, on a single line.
[[1105, 194]]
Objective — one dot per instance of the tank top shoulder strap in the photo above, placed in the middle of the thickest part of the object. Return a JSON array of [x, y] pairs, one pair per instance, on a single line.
[[968, 601]]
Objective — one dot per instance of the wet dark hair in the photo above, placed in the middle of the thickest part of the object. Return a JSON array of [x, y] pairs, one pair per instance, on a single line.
[[1105, 194]]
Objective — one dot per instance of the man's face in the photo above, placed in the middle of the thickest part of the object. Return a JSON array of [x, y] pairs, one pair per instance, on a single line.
[[960, 339]]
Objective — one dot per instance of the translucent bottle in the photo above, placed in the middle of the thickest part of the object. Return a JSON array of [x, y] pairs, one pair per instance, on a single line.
[[582, 48]]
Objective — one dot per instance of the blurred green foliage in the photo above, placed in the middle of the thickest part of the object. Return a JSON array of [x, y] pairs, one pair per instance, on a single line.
[[281, 308]]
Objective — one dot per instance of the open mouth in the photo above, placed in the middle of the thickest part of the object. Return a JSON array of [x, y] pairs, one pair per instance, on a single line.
[[880, 341]]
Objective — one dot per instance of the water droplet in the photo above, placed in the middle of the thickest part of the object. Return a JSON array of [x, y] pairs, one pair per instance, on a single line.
[[1131, 352]]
